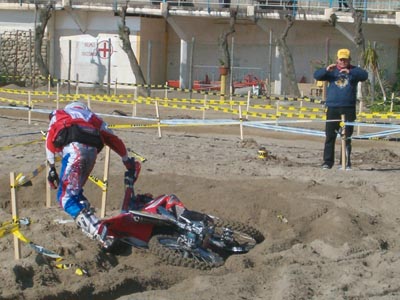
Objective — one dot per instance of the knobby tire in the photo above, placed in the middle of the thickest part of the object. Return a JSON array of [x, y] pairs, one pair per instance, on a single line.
[[174, 257]]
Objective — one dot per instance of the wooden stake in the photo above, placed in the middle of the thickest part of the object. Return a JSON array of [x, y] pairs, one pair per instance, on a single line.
[[14, 211], [29, 107], [48, 188], [205, 107], [48, 86], [241, 122], [134, 109], [105, 180], [248, 104], [135, 96], [158, 120], [343, 143], [359, 112], [166, 91], [77, 84], [58, 96], [391, 103]]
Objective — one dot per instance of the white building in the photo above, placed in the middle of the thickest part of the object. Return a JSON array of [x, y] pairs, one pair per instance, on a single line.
[[84, 37]]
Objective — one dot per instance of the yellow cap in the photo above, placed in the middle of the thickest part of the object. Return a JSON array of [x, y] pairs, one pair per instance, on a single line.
[[343, 53]]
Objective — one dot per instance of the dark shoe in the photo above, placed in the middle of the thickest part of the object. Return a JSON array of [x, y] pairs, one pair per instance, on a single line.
[[326, 166]]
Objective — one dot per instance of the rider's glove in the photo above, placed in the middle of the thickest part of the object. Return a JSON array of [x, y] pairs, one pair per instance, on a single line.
[[52, 178]]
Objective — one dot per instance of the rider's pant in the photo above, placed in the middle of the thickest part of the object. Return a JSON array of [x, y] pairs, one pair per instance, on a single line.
[[77, 164]]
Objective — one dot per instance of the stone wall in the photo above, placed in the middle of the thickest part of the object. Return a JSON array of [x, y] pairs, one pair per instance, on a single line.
[[17, 57]]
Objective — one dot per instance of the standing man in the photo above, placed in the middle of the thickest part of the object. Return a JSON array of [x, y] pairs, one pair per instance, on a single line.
[[78, 134], [342, 78]]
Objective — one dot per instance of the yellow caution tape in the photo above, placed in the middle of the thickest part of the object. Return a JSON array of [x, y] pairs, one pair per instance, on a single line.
[[137, 156], [8, 227], [99, 182], [20, 144], [23, 179]]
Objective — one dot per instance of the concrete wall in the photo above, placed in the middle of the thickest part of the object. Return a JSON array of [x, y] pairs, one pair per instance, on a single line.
[[154, 31], [309, 42]]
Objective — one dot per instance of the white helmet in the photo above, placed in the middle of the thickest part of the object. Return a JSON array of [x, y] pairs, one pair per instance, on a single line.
[[77, 105]]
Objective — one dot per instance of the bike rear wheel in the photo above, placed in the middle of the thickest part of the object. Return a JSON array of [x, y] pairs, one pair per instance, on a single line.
[[169, 250]]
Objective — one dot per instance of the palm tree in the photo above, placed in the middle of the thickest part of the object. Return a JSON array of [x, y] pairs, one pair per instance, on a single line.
[[371, 62]]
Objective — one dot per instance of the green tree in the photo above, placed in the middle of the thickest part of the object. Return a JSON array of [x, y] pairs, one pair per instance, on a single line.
[[371, 62]]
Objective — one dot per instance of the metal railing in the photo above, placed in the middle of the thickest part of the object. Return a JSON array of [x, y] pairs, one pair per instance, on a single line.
[[368, 5]]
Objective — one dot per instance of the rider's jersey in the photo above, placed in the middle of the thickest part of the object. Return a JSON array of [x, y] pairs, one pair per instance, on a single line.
[[83, 117]]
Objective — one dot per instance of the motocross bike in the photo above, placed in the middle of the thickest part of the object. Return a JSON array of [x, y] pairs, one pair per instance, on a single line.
[[175, 234]]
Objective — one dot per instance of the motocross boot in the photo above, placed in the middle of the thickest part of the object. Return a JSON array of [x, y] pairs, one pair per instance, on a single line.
[[90, 226]]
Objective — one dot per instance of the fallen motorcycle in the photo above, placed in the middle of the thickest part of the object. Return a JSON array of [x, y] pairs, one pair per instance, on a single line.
[[175, 234]]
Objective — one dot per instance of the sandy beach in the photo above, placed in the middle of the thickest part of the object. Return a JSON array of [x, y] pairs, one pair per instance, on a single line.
[[329, 234]]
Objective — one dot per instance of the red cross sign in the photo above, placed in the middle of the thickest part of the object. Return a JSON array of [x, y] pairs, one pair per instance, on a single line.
[[104, 49]]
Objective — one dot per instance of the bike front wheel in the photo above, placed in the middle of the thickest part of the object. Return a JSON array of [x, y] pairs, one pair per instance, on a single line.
[[169, 250]]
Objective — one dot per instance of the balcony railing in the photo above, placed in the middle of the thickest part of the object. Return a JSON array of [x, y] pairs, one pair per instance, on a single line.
[[374, 6]]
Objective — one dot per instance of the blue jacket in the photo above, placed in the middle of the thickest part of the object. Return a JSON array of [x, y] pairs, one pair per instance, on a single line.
[[342, 88]]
